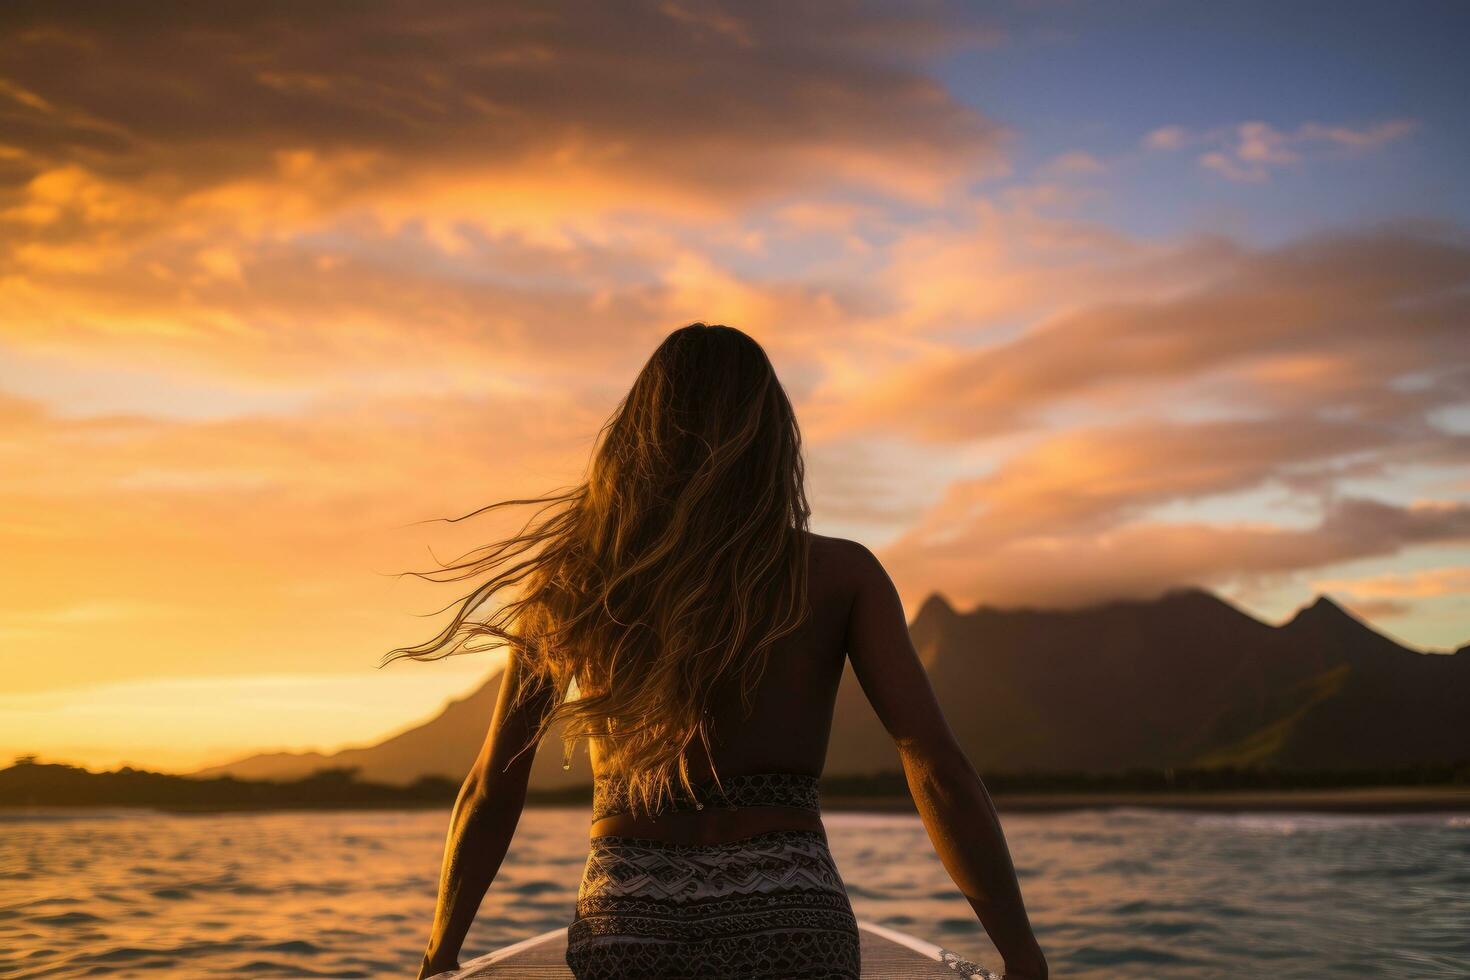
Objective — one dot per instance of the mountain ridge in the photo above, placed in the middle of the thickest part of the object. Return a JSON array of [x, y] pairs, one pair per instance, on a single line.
[[1098, 688]]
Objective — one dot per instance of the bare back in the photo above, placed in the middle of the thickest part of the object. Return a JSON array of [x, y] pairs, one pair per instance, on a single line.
[[790, 716]]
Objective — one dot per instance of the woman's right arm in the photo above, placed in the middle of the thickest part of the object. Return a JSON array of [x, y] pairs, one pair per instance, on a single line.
[[951, 799]]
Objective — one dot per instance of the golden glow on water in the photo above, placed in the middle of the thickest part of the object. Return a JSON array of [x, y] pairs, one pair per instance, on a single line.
[[1171, 896]]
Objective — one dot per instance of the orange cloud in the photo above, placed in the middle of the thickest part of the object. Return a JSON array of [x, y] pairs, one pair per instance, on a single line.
[[1419, 584], [1070, 564], [396, 193], [1365, 309], [722, 102]]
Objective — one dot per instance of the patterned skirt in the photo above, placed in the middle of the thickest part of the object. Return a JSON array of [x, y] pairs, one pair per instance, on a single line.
[[767, 906]]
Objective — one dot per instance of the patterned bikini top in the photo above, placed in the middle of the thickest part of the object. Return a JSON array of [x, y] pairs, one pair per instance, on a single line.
[[798, 789]]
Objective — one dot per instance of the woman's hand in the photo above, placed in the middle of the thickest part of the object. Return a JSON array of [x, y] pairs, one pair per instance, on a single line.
[[1025, 961], [1026, 968], [432, 967]]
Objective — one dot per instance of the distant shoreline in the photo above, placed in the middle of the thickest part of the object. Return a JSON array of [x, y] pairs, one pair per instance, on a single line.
[[32, 786], [1382, 799], [1364, 800]]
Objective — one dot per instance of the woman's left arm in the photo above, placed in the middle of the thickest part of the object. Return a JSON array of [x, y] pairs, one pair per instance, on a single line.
[[484, 819]]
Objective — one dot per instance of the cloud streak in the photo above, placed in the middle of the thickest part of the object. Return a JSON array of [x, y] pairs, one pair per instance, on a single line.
[[1251, 151], [1325, 322], [688, 95]]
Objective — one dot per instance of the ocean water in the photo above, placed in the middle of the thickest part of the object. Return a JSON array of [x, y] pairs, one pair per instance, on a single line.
[[1122, 893]]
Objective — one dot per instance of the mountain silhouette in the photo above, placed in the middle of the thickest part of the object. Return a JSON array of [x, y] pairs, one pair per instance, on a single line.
[[1184, 680]]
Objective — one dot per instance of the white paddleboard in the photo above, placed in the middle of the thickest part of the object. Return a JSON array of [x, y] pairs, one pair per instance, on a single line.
[[887, 953]]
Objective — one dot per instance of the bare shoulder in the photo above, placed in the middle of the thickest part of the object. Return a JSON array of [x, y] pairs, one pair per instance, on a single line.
[[829, 548], [845, 562]]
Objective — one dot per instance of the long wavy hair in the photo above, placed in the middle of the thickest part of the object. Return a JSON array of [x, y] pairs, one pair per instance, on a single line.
[[668, 573]]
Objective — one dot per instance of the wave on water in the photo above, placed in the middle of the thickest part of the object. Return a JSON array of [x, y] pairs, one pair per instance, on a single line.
[[1167, 895]]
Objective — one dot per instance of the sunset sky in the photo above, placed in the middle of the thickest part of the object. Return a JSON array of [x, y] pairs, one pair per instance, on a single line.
[[1076, 301]]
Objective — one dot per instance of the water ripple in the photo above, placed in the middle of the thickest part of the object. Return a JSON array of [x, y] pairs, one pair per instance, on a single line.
[[1174, 896]]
